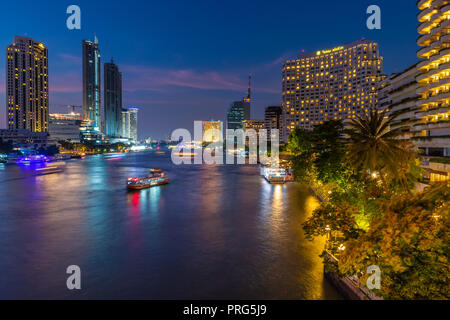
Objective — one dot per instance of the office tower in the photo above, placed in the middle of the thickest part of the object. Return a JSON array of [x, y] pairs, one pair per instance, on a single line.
[[433, 134], [113, 100], [91, 84], [125, 124], [273, 119], [239, 111], [27, 85], [133, 111], [208, 134], [337, 83], [397, 94], [65, 126]]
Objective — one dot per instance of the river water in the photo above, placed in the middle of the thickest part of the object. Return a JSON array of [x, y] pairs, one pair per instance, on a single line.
[[214, 232]]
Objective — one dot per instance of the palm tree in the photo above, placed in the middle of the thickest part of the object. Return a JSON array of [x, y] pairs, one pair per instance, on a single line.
[[373, 147]]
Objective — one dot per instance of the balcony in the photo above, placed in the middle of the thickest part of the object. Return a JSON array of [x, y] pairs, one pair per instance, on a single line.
[[423, 4], [424, 53], [445, 24], [425, 27], [445, 10], [445, 38], [444, 66], [424, 15], [424, 40]]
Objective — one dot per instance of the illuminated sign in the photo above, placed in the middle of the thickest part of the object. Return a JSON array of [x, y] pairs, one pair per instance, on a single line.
[[329, 50]]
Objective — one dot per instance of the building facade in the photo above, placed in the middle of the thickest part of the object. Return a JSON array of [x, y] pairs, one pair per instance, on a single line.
[[237, 113], [65, 126], [433, 133], [112, 100], [27, 85], [208, 135], [133, 114], [273, 119], [91, 84], [330, 84], [397, 95]]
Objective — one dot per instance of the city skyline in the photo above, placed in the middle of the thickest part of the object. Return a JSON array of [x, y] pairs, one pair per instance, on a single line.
[[164, 74]]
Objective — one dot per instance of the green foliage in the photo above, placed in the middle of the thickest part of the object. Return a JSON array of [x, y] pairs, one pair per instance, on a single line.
[[409, 243]]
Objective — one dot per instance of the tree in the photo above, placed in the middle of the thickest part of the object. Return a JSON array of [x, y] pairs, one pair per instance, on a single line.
[[372, 146], [6, 146], [329, 150], [410, 244]]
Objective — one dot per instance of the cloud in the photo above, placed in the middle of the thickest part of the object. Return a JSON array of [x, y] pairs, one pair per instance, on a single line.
[[145, 78]]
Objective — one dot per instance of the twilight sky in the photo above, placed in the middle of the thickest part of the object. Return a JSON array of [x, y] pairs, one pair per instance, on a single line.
[[188, 60]]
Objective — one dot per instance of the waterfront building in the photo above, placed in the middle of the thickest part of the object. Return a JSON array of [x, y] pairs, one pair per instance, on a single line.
[[397, 94], [112, 100], [207, 133], [27, 85], [237, 113], [331, 84], [433, 134], [125, 123], [89, 133], [133, 124], [65, 126], [239, 110], [273, 119], [91, 84], [26, 139]]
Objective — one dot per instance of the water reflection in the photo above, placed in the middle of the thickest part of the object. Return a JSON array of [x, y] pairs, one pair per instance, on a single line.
[[213, 232]]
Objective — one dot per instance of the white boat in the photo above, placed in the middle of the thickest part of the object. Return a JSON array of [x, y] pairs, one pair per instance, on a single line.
[[275, 175]]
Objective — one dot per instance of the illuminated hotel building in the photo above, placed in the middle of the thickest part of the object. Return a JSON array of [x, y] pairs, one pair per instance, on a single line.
[[433, 133], [336, 83], [91, 84], [27, 85]]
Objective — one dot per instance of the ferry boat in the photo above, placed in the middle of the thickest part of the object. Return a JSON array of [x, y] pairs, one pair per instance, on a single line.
[[274, 174], [155, 178], [54, 167]]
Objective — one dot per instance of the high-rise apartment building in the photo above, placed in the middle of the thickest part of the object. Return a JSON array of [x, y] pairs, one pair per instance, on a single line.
[[433, 134], [397, 94], [91, 84], [125, 123], [27, 85], [133, 111], [330, 84], [113, 100]]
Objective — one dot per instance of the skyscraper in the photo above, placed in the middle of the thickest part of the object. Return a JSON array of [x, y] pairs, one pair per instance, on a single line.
[[125, 124], [113, 99], [337, 83], [433, 131], [239, 111], [133, 123], [27, 85], [91, 84]]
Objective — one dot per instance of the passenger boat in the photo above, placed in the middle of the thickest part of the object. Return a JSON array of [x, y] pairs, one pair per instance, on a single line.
[[274, 174], [54, 167], [155, 178]]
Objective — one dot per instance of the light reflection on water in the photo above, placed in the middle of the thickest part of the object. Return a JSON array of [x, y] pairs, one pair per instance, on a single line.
[[214, 232]]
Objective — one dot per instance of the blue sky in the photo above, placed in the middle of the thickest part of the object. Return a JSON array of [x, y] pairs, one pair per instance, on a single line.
[[188, 60]]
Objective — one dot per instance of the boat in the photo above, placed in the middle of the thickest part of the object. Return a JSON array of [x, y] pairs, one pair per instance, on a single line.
[[54, 167], [274, 175], [155, 178]]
